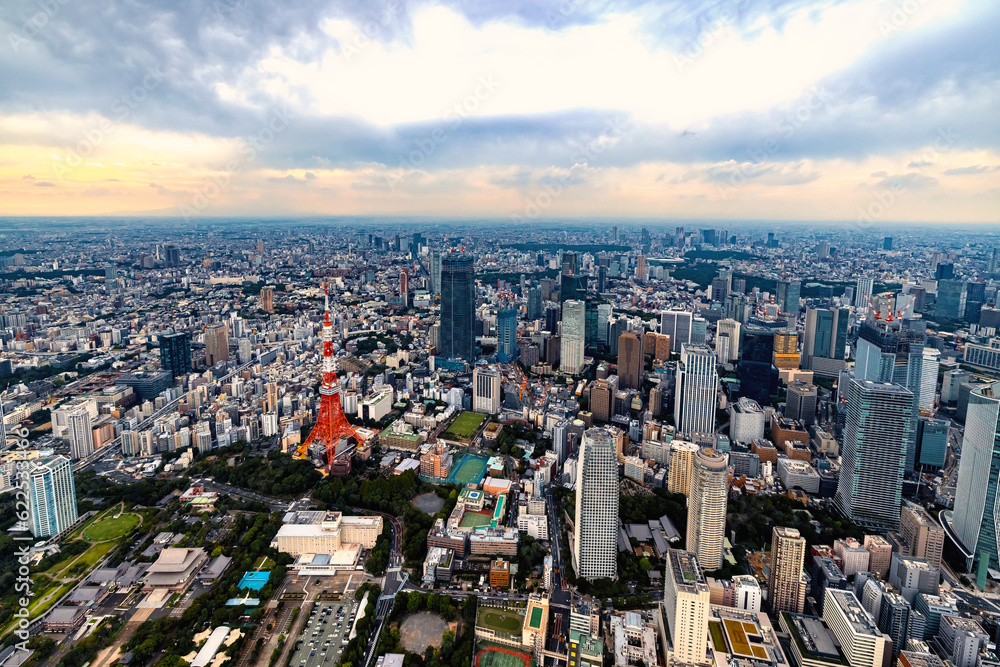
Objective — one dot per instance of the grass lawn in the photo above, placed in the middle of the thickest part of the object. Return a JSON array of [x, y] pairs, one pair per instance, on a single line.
[[109, 528], [506, 621], [90, 557], [465, 425], [264, 563]]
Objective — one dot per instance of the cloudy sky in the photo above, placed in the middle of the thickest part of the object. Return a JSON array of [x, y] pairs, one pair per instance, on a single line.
[[769, 109]]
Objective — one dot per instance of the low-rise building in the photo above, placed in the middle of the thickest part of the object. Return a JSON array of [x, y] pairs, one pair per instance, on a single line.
[[174, 569]]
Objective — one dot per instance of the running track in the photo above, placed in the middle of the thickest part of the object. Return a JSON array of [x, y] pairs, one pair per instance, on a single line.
[[526, 661]]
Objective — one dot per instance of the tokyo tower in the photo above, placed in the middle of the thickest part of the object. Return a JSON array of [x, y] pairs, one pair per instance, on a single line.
[[331, 423]]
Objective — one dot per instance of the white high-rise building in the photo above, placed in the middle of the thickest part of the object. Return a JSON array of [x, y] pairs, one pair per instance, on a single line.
[[51, 496], [862, 643], [926, 383], [863, 293], [79, 433], [746, 421], [677, 324], [687, 602], [604, 312], [706, 522], [572, 336], [695, 399], [486, 390], [975, 520], [595, 536], [727, 330], [746, 592]]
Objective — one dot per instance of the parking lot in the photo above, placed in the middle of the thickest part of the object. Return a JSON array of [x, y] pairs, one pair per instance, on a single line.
[[325, 634]]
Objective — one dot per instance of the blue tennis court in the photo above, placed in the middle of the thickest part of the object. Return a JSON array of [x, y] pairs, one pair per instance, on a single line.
[[254, 580]]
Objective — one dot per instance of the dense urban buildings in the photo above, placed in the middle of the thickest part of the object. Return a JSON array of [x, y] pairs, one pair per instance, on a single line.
[[496, 334]]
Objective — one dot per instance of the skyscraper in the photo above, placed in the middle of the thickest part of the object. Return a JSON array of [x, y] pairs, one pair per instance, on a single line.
[[682, 455], [863, 293], [79, 433], [486, 390], [975, 519], [595, 543], [878, 431], [216, 344], [572, 285], [51, 496], [922, 375], [534, 303], [604, 312], [267, 299], [436, 272], [175, 353], [883, 351], [932, 442], [695, 399], [787, 296], [686, 606], [824, 342], [757, 373], [456, 337], [573, 336], [727, 340], [507, 331], [786, 585], [172, 254], [677, 325], [801, 401], [706, 519], [786, 350], [630, 360], [951, 296]]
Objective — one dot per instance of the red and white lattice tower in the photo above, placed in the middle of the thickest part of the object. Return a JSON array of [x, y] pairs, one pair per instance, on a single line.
[[331, 423]]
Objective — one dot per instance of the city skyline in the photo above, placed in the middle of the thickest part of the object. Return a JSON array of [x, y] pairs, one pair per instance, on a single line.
[[441, 110]]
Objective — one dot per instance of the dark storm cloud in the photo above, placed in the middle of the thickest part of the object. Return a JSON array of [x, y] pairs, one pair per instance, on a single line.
[[92, 57]]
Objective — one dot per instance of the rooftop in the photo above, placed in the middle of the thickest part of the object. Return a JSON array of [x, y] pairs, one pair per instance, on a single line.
[[860, 620], [686, 571]]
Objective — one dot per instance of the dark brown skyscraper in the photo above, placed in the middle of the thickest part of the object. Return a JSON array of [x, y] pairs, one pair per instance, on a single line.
[[629, 361]]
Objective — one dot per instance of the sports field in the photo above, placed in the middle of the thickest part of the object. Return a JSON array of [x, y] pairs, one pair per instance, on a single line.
[[505, 621], [110, 528], [473, 519], [469, 471], [493, 655], [464, 426]]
